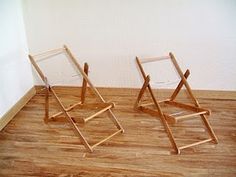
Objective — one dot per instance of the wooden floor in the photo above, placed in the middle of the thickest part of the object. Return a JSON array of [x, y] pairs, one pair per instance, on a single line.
[[28, 147]]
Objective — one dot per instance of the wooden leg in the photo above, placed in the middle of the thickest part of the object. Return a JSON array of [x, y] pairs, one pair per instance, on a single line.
[[170, 134], [180, 85], [46, 117], [164, 121], [84, 85], [115, 120], [141, 92], [165, 124], [76, 129], [47, 91], [209, 129]]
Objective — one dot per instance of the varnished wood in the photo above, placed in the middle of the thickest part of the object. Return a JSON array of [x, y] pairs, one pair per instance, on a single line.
[[180, 85], [97, 113], [50, 88], [147, 60], [84, 84], [158, 108], [142, 90], [189, 107], [170, 117], [66, 109], [194, 144], [73, 125], [29, 147], [185, 83]]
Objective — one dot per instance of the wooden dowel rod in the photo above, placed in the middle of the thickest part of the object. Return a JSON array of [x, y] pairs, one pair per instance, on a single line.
[[146, 60], [194, 144], [67, 109], [45, 57], [37, 69], [107, 138], [188, 107], [189, 115], [48, 52], [97, 113]]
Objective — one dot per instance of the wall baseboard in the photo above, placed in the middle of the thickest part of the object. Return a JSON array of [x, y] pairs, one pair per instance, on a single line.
[[7, 117]]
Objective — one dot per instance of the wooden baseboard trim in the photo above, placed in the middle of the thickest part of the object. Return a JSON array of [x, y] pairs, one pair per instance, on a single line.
[[7, 117], [203, 94]]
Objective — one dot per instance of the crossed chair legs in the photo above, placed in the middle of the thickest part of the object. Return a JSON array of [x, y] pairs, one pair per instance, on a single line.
[[165, 118], [103, 106]]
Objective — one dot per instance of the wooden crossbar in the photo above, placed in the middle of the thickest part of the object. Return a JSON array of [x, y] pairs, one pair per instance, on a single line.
[[147, 60], [178, 118], [172, 118], [45, 57], [97, 113], [107, 138], [48, 52], [67, 109], [195, 144]]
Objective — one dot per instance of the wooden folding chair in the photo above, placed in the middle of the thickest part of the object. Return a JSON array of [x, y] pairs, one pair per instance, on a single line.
[[106, 106], [172, 118]]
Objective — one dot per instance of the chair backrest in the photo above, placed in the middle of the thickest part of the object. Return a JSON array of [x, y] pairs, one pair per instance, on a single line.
[[170, 78]]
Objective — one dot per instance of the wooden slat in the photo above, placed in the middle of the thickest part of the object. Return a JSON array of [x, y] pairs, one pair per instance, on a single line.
[[195, 144], [97, 113], [178, 118], [107, 138]]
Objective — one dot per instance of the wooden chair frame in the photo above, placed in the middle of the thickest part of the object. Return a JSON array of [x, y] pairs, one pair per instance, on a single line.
[[165, 118], [50, 89]]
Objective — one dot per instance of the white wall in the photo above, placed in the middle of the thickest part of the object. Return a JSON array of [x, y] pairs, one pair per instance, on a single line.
[[15, 71], [108, 34]]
